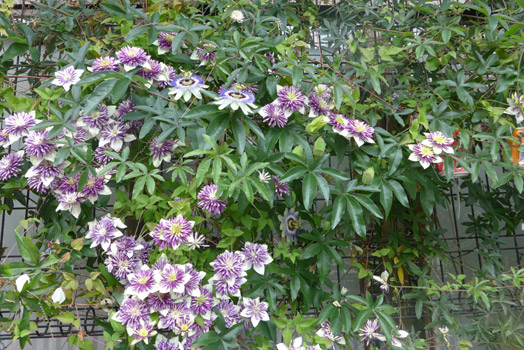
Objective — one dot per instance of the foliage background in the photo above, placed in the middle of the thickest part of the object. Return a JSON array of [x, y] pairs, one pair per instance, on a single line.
[[406, 68]]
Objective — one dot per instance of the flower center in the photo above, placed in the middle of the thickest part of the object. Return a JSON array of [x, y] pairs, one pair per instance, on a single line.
[[439, 139], [341, 120], [132, 53], [143, 280], [426, 151], [360, 128], [237, 95], [176, 229], [187, 82], [123, 264], [293, 224], [144, 332], [173, 277], [291, 96]]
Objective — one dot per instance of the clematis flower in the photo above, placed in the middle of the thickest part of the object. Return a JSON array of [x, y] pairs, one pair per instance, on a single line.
[[97, 120], [171, 279], [102, 231], [186, 85], [325, 332], [141, 283], [125, 107], [439, 142], [360, 132], [423, 154], [203, 303], [206, 53], [255, 310], [256, 256], [171, 316], [132, 313], [383, 280], [115, 135], [237, 16], [338, 122], [166, 76], [106, 63], [291, 99], [143, 332], [121, 264], [210, 201], [70, 202], [94, 187], [67, 77], [47, 172], [38, 147], [161, 151], [165, 42], [9, 165], [290, 223], [296, 344], [131, 57], [229, 266], [167, 344], [369, 332], [274, 115], [318, 106], [237, 96], [100, 155], [230, 312], [150, 70], [195, 241], [17, 125], [516, 107]]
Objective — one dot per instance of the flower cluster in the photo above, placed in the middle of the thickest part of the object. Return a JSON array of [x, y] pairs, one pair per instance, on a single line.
[[428, 151]]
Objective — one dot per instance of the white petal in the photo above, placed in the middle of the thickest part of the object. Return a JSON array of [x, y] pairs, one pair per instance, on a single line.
[[255, 321], [58, 296], [259, 268], [20, 281], [282, 346]]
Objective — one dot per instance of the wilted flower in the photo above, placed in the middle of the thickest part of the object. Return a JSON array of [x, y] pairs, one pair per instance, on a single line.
[[67, 77], [255, 310], [325, 332], [236, 96], [281, 188], [439, 142], [237, 16], [187, 85], [290, 223], [195, 241], [423, 154], [274, 115], [131, 57], [205, 54], [103, 64], [263, 176], [9, 165], [291, 99], [210, 201]]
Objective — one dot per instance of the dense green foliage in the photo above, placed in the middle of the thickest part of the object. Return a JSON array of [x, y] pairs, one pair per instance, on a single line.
[[404, 69]]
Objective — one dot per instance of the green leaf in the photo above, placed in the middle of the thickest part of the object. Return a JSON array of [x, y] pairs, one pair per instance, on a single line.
[[133, 33], [295, 286], [293, 174], [100, 92], [309, 190], [339, 207], [368, 204], [202, 171], [355, 213], [15, 49], [399, 192], [271, 85], [27, 248], [362, 317], [120, 89], [139, 186], [297, 76], [239, 132], [14, 268]]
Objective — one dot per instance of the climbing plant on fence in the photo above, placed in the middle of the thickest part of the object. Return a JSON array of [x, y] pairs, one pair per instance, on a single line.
[[199, 169]]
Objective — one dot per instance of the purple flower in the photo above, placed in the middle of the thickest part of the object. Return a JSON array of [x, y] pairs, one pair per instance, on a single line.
[[339, 122], [9, 165], [195, 241], [165, 42], [325, 332], [46, 171], [141, 283], [159, 301], [67, 77], [132, 313], [229, 266], [143, 332], [323, 91], [516, 107], [104, 63], [160, 234], [318, 106], [360, 132], [187, 85], [69, 184], [281, 188], [383, 280], [236, 96], [171, 316], [115, 135], [271, 57], [210, 202], [125, 107], [369, 331], [94, 187], [230, 312], [205, 54], [101, 157], [4, 138], [96, 120], [17, 125], [439, 142], [165, 344], [79, 135], [172, 278], [102, 231], [291, 99], [185, 326], [150, 69], [166, 76], [131, 57], [121, 264], [423, 154], [127, 245], [192, 286], [274, 115], [256, 256], [225, 289], [161, 151], [39, 147], [36, 183], [290, 223], [255, 310], [70, 202], [203, 303]]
